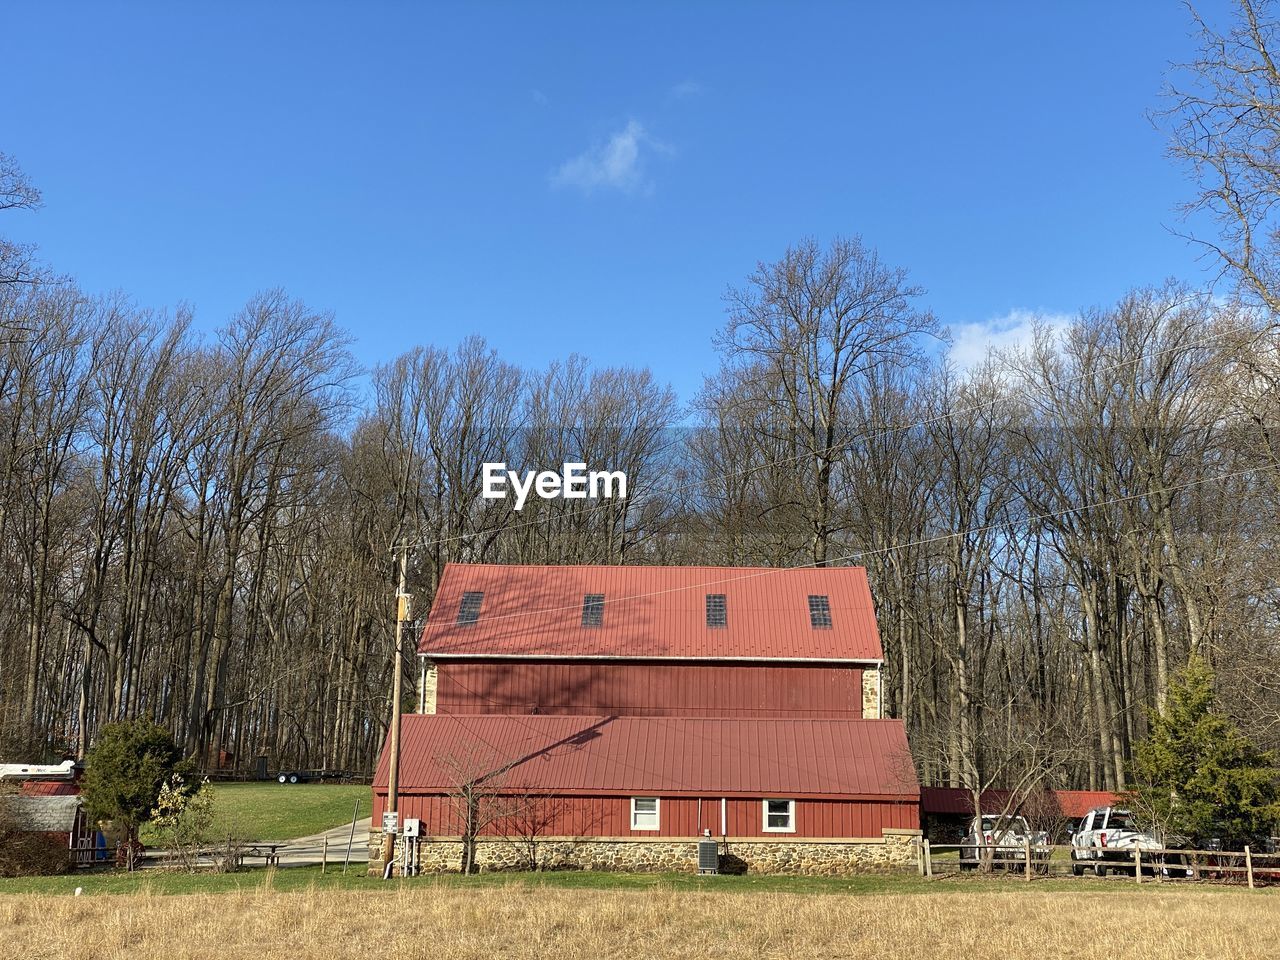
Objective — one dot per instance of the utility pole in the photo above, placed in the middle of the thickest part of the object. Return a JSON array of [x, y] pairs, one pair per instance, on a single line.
[[404, 611]]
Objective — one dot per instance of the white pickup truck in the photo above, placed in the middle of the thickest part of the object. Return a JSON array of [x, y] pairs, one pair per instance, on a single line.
[[1003, 841], [1106, 840]]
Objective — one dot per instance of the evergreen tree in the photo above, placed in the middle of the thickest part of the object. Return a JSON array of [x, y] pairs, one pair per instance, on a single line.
[[1196, 775], [124, 772]]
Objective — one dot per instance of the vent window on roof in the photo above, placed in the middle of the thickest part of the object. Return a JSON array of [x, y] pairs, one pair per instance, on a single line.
[[592, 609], [819, 613], [717, 615], [469, 608]]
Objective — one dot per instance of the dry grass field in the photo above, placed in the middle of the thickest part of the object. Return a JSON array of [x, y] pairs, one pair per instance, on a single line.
[[529, 922]]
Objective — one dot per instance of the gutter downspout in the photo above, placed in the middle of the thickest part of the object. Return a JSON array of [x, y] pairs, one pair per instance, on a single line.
[[880, 691]]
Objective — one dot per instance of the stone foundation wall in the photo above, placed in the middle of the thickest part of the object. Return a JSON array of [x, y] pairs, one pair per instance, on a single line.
[[813, 857]]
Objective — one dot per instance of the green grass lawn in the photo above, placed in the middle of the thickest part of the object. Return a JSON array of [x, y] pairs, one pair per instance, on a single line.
[[304, 878], [274, 811], [300, 878]]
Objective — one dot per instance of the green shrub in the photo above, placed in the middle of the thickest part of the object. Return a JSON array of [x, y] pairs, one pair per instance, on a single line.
[[125, 770]]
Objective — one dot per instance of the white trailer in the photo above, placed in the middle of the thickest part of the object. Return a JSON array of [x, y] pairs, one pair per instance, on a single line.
[[38, 771]]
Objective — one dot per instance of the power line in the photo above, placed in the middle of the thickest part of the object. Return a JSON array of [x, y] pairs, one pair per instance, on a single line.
[[879, 551], [510, 763], [845, 445]]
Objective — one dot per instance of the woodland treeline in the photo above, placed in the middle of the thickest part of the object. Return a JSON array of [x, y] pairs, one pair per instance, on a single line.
[[203, 528]]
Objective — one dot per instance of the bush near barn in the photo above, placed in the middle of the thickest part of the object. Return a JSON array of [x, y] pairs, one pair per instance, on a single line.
[[125, 772]]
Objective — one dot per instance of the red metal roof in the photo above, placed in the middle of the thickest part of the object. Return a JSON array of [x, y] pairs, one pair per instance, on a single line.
[[958, 801], [49, 788], [653, 612], [1076, 803], [665, 756]]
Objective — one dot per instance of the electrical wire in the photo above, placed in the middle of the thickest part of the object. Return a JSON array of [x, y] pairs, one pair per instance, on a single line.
[[880, 551], [845, 445]]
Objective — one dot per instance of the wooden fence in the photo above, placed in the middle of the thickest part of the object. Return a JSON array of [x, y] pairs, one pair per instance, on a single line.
[[1165, 863]]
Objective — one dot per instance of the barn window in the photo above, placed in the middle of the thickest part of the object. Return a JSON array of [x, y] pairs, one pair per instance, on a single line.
[[779, 816], [717, 615], [820, 613], [469, 608], [644, 813], [592, 609]]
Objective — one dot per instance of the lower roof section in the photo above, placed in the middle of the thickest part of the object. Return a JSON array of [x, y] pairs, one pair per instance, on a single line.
[[670, 756]]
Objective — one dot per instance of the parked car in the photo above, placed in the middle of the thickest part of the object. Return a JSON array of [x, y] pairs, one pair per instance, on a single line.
[[1258, 843], [1004, 839], [1106, 839]]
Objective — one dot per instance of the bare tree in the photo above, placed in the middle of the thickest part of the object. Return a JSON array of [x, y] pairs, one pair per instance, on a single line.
[[17, 260], [1224, 115], [478, 795], [810, 330]]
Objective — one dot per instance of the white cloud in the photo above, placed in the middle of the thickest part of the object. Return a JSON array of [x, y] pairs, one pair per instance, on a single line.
[[971, 342], [539, 97], [686, 89], [616, 165]]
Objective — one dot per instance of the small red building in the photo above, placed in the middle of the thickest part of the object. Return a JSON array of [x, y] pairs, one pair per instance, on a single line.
[[947, 811], [54, 817], [613, 715]]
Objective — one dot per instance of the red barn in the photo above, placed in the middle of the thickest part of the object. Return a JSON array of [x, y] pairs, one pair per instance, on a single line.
[[629, 710], [652, 641]]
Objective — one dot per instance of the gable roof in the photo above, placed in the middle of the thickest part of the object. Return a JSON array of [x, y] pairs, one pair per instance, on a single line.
[[42, 814], [652, 613], [668, 756]]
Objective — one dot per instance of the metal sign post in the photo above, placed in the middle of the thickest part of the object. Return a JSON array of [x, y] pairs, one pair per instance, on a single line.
[[403, 612], [355, 813]]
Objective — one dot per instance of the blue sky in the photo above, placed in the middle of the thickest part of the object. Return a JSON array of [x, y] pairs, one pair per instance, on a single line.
[[591, 177]]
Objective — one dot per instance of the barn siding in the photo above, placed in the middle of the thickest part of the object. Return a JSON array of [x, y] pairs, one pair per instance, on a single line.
[[649, 689], [611, 817]]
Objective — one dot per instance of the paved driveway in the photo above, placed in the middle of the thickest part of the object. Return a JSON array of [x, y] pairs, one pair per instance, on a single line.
[[307, 850]]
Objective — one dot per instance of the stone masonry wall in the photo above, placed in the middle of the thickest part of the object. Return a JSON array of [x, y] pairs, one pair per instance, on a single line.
[[428, 681], [893, 852], [870, 694]]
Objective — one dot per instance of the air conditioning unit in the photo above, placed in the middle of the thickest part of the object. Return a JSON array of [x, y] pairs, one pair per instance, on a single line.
[[708, 857]]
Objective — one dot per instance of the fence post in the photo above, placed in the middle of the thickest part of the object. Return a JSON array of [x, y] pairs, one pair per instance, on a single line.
[[928, 859], [324, 855], [1026, 855], [1137, 864], [920, 856], [1248, 865]]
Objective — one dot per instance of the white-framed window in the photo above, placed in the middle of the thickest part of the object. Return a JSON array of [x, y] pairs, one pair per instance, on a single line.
[[779, 816], [644, 813]]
